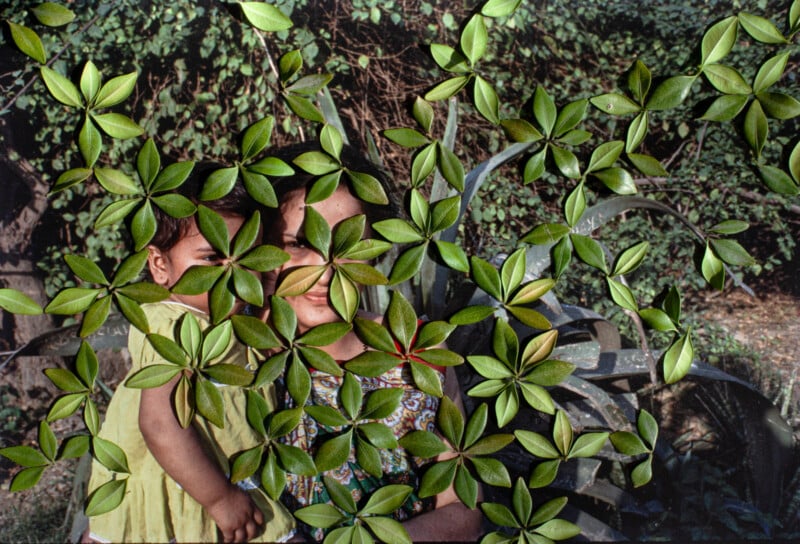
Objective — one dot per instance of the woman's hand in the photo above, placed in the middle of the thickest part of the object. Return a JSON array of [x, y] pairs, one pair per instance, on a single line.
[[237, 516]]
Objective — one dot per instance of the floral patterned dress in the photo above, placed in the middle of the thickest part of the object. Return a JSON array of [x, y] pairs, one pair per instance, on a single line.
[[416, 411]]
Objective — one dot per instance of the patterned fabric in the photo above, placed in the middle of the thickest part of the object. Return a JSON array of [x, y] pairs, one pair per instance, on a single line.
[[417, 411]]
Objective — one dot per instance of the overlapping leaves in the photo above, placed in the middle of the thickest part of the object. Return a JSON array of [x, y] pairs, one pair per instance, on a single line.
[[351, 524], [513, 372], [404, 341], [539, 526], [467, 453]]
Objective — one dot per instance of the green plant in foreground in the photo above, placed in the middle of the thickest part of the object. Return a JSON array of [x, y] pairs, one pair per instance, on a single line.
[[552, 146]]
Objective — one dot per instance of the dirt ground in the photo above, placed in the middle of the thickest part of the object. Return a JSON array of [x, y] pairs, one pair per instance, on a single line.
[[767, 328]]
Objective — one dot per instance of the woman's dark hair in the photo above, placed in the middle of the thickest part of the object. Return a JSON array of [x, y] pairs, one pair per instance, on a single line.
[[170, 229], [352, 159]]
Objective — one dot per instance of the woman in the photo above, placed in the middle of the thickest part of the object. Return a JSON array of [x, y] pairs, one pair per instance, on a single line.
[[442, 517]]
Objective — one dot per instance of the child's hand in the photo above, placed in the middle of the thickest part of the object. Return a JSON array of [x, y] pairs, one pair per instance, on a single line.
[[237, 516]]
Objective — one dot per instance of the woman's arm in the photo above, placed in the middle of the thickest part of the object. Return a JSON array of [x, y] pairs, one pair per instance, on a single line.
[[451, 521], [180, 453]]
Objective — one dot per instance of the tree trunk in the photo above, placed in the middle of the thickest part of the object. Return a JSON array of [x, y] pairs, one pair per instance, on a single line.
[[17, 271]]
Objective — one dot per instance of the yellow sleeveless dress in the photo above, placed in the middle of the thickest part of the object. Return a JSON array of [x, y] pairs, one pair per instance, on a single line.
[[155, 507]]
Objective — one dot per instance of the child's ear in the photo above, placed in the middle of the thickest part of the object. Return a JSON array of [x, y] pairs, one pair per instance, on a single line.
[[159, 268]]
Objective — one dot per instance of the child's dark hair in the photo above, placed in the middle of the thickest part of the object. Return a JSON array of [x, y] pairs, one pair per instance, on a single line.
[[171, 229], [352, 159]]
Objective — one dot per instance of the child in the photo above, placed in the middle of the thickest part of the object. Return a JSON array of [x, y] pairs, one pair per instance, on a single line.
[[443, 517], [178, 488]]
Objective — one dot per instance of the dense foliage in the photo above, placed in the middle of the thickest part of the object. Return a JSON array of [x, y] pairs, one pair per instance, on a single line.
[[525, 169]]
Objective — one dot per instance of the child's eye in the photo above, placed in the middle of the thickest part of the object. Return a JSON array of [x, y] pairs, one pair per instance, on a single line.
[[212, 258], [299, 243]]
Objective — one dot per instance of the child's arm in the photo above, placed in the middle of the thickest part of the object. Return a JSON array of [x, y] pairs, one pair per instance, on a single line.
[[180, 453]]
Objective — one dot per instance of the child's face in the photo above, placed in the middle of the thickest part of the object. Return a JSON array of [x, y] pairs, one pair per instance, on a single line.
[[312, 307], [193, 249]]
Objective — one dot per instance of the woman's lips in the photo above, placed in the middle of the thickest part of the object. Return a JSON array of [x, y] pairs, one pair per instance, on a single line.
[[316, 295]]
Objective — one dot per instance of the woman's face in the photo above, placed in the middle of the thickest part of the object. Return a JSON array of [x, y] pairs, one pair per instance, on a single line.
[[312, 307]]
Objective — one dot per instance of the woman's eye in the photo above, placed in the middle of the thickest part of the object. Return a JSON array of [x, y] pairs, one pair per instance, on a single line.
[[297, 244]]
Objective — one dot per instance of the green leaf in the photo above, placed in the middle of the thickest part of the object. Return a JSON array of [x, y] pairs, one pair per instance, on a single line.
[[316, 163], [265, 16], [466, 487], [423, 113], [198, 279], [51, 14], [334, 452], [713, 269], [678, 359], [219, 183], [731, 252], [562, 255], [451, 168], [615, 104], [16, 302], [779, 181], [344, 296], [670, 93], [630, 259], [628, 443], [423, 164], [65, 406], [657, 319], [643, 472], [209, 403], [90, 81], [725, 108], [589, 251], [487, 277], [216, 341], [755, 127], [637, 131], [304, 108], [770, 72], [106, 497], [256, 137], [718, 41], [547, 233], [588, 445], [622, 295], [452, 255], [471, 314], [273, 477], [779, 105], [605, 155], [447, 88], [406, 137], [448, 59], [132, 311], [331, 141], [486, 100], [85, 269], [214, 229], [117, 125], [648, 428], [544, 474], [558, 529], [116, 181], [152, 376], [74, 176], [229, 374], [246, 463], [114, 212], [74, 447], [499, 515], [29, 43], [549, 373], [171, 351], [388, 530], [521, 130], [320, 515], [259, 187], [575, 205], [310, 85], [423, 444], [25, 456], [382, 403], [763, 30], [618, 180], [60, 87], [110, 455], [500, 8], [115, 91], [387, 499], [90, 143], [437, 478], [639, 80], [72, 300], [65, 380], [726, 79], [647, 165], [289, 64], [474, 38]]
